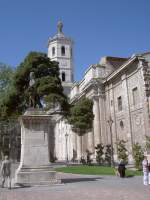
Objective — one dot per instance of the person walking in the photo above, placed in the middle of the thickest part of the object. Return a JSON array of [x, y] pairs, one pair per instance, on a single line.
[[121, 168], [145, 171], [6, 172], [149, 173]]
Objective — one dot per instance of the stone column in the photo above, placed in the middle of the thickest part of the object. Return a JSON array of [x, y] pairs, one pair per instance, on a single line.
[[79, 147], [74, 141], [83, 149], [129, 134], [91, 147], [96, 122]]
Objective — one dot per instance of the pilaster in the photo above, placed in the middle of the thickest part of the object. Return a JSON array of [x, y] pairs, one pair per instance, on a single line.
[[96, 122]]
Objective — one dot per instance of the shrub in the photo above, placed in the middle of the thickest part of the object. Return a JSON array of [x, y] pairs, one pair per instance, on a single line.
[[122, 152], [99, 153], [138, 155], [108, 154], [88, 157], [147, 143]]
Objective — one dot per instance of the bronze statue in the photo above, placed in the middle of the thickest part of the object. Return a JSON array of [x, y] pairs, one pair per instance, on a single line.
[[34, 99]]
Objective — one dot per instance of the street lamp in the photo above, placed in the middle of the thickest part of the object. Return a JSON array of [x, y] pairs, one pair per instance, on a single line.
[[66, 136], [110, 122]]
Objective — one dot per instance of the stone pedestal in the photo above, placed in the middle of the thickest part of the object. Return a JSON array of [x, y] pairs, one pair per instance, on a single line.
[[35, 167]]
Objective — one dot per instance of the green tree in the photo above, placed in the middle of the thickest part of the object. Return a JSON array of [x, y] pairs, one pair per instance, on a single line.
[[81, 115], [99, 153], [138, 155], [122, 151], [6, 77], [47, 86]]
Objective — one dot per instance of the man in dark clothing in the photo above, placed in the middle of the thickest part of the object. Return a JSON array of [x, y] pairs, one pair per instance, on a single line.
[[121, 169]]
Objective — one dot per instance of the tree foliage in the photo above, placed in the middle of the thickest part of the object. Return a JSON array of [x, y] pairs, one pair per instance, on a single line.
[[81, 115], [47, 86], [122, 151], [138, 155], [6, 77]]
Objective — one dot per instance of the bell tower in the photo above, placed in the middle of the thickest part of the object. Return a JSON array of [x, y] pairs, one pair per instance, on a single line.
[[60, 49]]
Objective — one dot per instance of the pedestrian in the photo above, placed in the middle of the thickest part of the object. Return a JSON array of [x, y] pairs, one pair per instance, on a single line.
[[6, 172], [145, 171], [121, 168], [149, 173]]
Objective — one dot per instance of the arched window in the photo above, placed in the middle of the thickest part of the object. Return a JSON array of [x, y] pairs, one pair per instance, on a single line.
[[62, 50], [135, 96], [119, 103], [53, 51], [63, 76]]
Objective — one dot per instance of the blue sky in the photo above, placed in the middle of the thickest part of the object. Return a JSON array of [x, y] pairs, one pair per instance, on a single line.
[[98, 28]]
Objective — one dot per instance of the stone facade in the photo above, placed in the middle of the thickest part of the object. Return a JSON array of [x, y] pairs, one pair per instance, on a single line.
[[119, 89]]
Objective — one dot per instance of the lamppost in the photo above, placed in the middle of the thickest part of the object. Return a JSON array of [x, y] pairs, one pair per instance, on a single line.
[[66, 136], [110, 122]]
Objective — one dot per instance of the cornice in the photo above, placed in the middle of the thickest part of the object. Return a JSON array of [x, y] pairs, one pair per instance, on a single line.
[[115, 73], [64, 39], [95, 84]]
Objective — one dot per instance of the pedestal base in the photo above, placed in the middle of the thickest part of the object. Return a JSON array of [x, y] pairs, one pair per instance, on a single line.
[[36, 176], [36, 146]]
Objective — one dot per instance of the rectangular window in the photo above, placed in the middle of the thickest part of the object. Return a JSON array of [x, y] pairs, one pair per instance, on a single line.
[[63, 51], [135, 95], [119, 103], [111, 102]]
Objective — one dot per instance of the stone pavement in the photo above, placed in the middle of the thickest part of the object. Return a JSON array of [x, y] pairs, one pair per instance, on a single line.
[[83, 187]]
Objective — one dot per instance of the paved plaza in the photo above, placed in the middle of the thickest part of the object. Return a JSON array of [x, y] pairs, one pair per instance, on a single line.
[[83, 187]]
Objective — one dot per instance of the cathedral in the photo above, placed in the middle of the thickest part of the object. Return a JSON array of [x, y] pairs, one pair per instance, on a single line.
[[120, 91]]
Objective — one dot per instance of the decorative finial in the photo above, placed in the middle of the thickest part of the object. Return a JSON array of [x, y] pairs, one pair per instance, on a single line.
[[59, 27]]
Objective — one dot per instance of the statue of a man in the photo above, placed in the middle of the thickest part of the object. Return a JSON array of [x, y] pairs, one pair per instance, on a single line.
[[34, 98]]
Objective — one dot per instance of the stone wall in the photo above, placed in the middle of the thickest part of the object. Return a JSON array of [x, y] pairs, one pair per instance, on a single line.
[[128, 123]]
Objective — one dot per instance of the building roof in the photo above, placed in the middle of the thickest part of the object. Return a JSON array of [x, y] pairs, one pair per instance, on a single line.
[[113, 61]]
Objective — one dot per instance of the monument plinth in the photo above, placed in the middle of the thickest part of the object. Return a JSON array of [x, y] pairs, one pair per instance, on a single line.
[[35, 167]]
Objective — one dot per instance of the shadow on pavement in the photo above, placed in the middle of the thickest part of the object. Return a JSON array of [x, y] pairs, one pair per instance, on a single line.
[[74, 180], [129, 176], [18, 186]]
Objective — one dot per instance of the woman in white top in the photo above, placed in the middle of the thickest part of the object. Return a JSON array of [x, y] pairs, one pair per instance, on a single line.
[[145, 171]]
